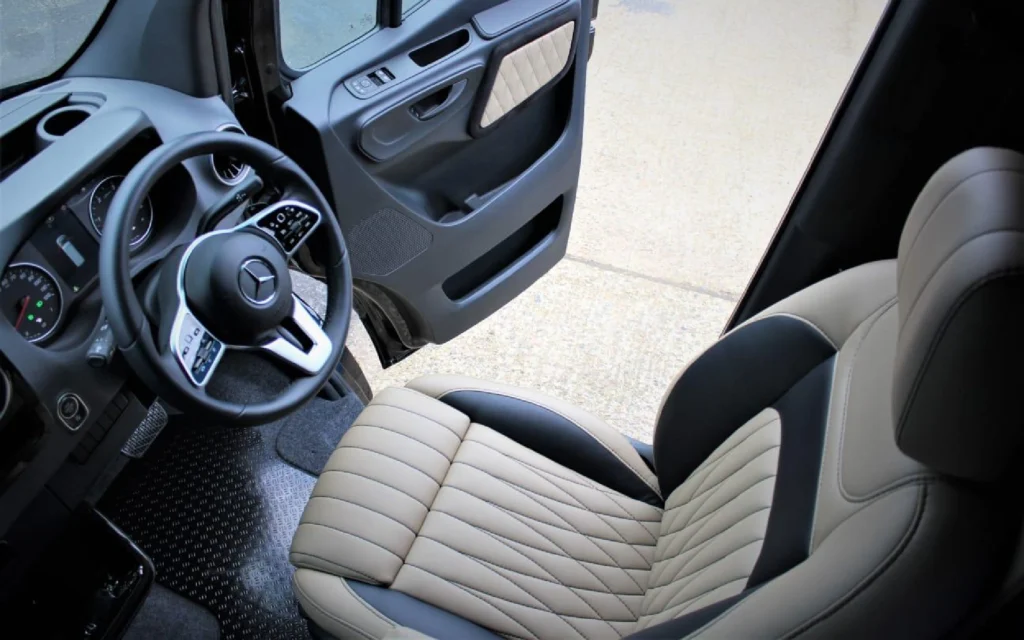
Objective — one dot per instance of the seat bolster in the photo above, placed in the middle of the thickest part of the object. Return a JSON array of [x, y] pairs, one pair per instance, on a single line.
[[836, 306], [553, 428], [908, 564], [376, 489], [334, 607]]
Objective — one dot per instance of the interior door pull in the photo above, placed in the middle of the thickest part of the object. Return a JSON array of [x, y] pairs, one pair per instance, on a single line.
[[437, 101]]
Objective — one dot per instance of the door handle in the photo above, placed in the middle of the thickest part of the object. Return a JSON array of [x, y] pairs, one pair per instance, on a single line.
[[437, 101]]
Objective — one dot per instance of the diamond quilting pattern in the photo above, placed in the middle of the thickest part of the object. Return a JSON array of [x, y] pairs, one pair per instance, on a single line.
[[526, 70]]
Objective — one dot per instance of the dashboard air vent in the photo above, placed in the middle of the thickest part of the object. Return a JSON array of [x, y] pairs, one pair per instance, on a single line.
[[228, 170]]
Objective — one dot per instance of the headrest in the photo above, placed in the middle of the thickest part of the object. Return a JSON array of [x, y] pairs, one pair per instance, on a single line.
[[958, 389]]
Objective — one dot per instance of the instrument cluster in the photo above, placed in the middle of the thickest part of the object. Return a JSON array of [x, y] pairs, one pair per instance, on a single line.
[[64, 250]]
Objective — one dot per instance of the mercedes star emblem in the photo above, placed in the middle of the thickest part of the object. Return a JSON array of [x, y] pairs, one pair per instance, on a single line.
[[257, 281]]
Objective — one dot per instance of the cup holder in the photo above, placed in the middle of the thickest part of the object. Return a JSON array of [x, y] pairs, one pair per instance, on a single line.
[[58, 122]]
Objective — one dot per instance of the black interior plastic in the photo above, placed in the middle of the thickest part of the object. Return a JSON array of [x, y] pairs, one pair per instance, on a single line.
[[431, 53]]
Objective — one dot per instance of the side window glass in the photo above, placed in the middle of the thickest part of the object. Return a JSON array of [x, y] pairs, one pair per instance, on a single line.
[[311, 30]]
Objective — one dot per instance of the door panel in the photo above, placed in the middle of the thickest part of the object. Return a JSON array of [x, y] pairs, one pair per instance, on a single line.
[[451, 149]]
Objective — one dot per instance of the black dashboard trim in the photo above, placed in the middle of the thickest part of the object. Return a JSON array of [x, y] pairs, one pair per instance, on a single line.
[[41, 184]]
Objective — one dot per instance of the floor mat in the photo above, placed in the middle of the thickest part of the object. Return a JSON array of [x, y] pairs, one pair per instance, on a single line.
[[309, 436], [215, 508], [168, 616]]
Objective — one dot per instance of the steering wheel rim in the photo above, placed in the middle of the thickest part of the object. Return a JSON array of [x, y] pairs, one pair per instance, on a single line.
[[154, 362]]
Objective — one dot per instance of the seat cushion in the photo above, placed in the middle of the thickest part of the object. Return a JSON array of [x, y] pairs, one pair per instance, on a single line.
[[419, 499]]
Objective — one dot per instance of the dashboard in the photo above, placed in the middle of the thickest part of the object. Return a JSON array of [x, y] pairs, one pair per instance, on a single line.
[[64, 414]]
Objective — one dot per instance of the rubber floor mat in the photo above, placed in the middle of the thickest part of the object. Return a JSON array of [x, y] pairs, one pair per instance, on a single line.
[[215, 509]]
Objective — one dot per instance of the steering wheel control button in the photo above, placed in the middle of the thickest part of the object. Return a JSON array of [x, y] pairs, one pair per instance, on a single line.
[[289, 223], [206, 355], [257, 281], [196, 349], [72, 411]]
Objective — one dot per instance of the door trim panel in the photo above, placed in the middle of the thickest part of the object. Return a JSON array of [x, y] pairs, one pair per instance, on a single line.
[[421, 182]]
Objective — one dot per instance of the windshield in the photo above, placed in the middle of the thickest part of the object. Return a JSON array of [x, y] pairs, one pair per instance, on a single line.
[[37, 37]]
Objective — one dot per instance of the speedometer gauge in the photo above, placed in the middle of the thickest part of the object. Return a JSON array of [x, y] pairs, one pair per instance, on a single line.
[[31, 300], [99, 204]]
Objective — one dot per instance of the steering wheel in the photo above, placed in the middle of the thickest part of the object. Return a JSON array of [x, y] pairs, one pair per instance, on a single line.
[[228, 289]]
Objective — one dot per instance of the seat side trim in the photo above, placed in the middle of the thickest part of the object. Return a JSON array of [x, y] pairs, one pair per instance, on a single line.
[[804, 412], [749, 369], [416, 614], [556, 437]]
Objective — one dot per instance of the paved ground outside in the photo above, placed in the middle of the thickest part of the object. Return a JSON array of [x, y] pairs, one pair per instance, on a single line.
[[701, 118]]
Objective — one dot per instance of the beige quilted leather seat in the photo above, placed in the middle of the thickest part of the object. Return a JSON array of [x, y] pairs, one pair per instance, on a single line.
[[824, 469]]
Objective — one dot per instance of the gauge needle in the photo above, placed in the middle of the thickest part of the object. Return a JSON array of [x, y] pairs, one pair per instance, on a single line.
[[24, 308]]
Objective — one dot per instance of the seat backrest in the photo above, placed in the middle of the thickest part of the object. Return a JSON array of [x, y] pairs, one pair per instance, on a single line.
[[831, 466]]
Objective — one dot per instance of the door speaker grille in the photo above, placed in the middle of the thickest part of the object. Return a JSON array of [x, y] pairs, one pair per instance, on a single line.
[[386, 241]]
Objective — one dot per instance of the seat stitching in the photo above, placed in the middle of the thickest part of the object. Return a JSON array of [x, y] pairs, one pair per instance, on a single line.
[[660, 567], [913, 305], [718, 487], [931, 216], [689, 524], [362, 506], [693, 535], [583, 480], [729, 481], [351, 446], [417, 413], [470, 592], [369, 579], [399, 433], [490, 564], [354, 535], [707, 464], [342, 622], [756, 453], [586, 537], [580, 507], [600, 516], [529, 494], [734, 524], [795, 316], [674, 530], [590, 539], [589, 485], [588, 509], [559, 413], [863, 584], [506, 539], [372, 479], [535, 472], [680, 583], [940, 334], [470, 589], [685, 606], [895, 484], [880, 568], [700, 547]]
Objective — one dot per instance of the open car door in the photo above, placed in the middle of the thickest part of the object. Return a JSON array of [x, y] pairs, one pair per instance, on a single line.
[[450, 146]]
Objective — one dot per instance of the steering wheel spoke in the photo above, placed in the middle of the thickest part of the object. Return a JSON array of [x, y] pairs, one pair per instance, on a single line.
[[306, 347], [289, 222]]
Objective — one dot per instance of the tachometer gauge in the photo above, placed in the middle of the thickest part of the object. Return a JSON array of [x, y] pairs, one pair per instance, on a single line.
[[31, 300], [99, 204]]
